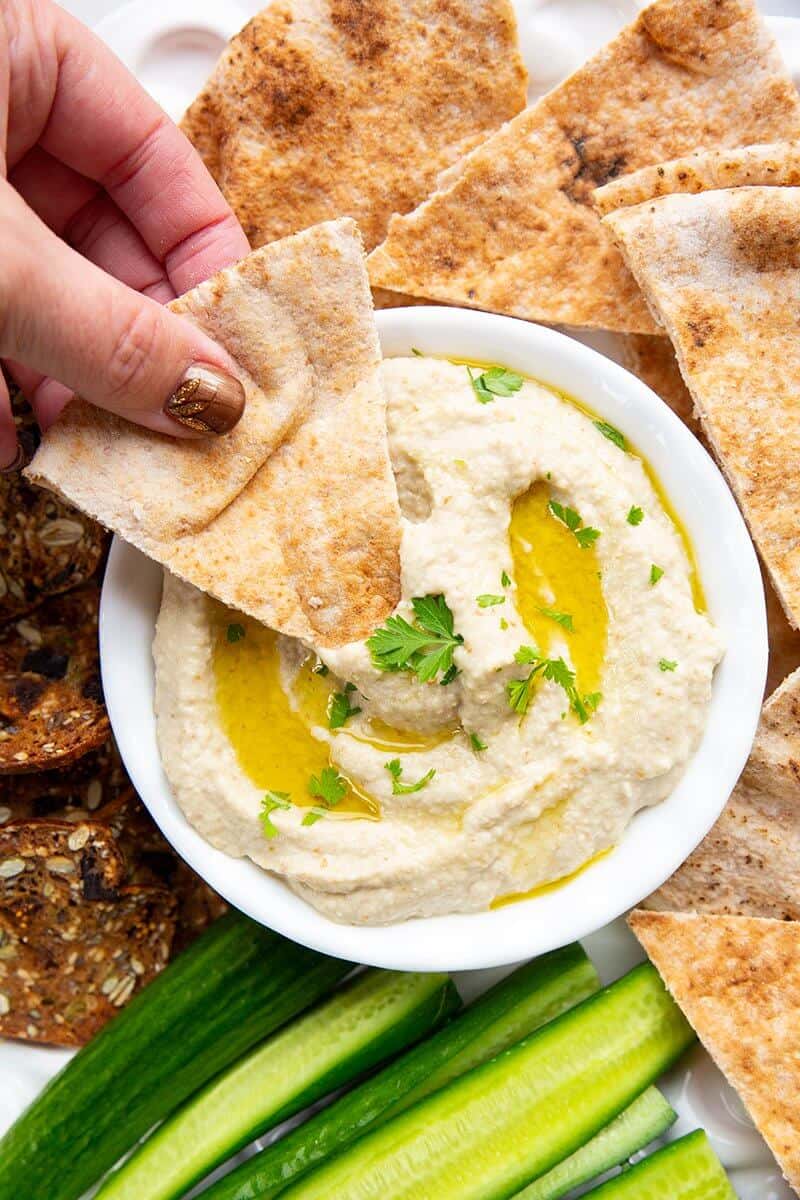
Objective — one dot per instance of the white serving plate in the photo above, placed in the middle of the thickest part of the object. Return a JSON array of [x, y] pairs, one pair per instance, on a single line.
[[171, 46]]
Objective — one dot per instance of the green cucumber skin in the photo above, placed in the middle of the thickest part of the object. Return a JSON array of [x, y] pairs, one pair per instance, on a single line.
[[687, 1169], [636, 1127], [181, 1152], [532, 995], [227, 991], [490, 1132]]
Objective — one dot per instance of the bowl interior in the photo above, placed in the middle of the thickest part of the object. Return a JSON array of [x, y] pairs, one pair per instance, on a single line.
[[657, 840]]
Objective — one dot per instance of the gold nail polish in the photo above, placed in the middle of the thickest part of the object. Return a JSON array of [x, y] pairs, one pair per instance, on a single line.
[[206, 400], [17, 463]]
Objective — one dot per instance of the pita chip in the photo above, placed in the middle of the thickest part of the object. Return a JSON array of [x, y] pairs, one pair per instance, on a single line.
[[737, 980], [352, 108], [721, 269], [511, 229], [749, 864], [293, 516]]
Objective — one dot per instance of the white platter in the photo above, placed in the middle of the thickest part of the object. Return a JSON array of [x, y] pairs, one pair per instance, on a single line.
[[171, 45]]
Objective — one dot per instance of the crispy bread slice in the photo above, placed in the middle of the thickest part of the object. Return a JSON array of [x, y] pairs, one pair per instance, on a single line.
[[293, 517], [511, 228], [317, 111], [737, 979], [749, 864], [722, 271]]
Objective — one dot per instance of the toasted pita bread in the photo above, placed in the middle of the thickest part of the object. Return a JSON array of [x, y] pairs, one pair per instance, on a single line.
[[722, 270], [774, 165], [653, 360], [512, 229], [319, 111], [293, 517], [737, 980], [749, 864]]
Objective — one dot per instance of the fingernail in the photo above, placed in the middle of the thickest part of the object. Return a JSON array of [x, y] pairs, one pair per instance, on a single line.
[[206, 400], [17, 462]]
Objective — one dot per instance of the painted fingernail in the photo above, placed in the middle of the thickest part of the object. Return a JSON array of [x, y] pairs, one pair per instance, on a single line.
[[17, 463], [206, 400]]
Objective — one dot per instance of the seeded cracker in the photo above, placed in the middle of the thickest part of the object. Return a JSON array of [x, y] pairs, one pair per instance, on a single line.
[[51, 702], [75, 792], [75, 942], [46, 545]]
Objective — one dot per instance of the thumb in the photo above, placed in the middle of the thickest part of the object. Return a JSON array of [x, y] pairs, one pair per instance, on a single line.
[[66, 318]]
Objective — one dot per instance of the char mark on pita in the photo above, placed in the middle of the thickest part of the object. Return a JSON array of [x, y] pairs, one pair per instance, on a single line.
[[511, 228], [293, 516]]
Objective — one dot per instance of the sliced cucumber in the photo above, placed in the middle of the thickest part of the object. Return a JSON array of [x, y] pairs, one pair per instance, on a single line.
[[636, 1127], [373, 1017], [523, 1001], [231, 988], [488, 1133], [685, 1170]]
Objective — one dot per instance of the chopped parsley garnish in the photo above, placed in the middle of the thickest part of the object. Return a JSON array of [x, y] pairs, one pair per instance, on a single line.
[[487, 600], [405, 789], [339, 708], [476, 743], [449, 675], [503, 623], [426, 647], [328, 786], [561, 618], [584, 534], [235, 632], [321, 669], [556, 670], [417, 353], [505, 579], [635, 515], [271, 801], [666, 664], [612, 434], [494, 381], [312, 816], [655, 574]]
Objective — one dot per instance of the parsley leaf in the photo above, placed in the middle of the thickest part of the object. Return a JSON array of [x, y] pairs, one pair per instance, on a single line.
[[312, 816], [561, 618], [666, 664], [556, 670], [449, 675], [655, 574], [476, 742], [495, 381], [503, 623], [321, 669], [405, 789], [635, 515], [417, 353], [426, 647], [271, 801], [612, 434], [584, 534], [518, 694], [526, 654], [487, 600], [505, 579], [235, 632], [329, 787], [340, 709]]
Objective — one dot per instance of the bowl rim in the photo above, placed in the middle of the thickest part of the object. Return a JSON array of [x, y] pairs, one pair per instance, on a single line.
[[658, 839]]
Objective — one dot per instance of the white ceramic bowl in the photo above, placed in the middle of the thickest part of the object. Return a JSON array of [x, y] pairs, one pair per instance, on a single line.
[[658, 839]]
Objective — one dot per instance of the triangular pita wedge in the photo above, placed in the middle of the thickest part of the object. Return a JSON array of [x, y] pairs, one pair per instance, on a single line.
[[737, 980], [774, 165], [293, 517], [512, 229], [652, 359], [722, 271], [350, 108], [749, 864]]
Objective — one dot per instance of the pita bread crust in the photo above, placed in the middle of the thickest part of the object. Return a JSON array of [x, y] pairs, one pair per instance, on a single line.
[[722, 270], [512, 229], [749, 864], [737, 980], [294, 518], [295, 120], [774, 165]]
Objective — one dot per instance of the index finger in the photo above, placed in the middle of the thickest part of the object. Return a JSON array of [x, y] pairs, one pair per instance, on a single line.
[[104, 125]]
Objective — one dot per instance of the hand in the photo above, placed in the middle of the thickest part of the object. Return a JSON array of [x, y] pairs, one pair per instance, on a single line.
[[106, 213]]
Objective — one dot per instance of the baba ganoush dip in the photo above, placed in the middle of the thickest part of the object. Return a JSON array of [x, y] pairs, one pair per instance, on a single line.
[[547, 673]]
